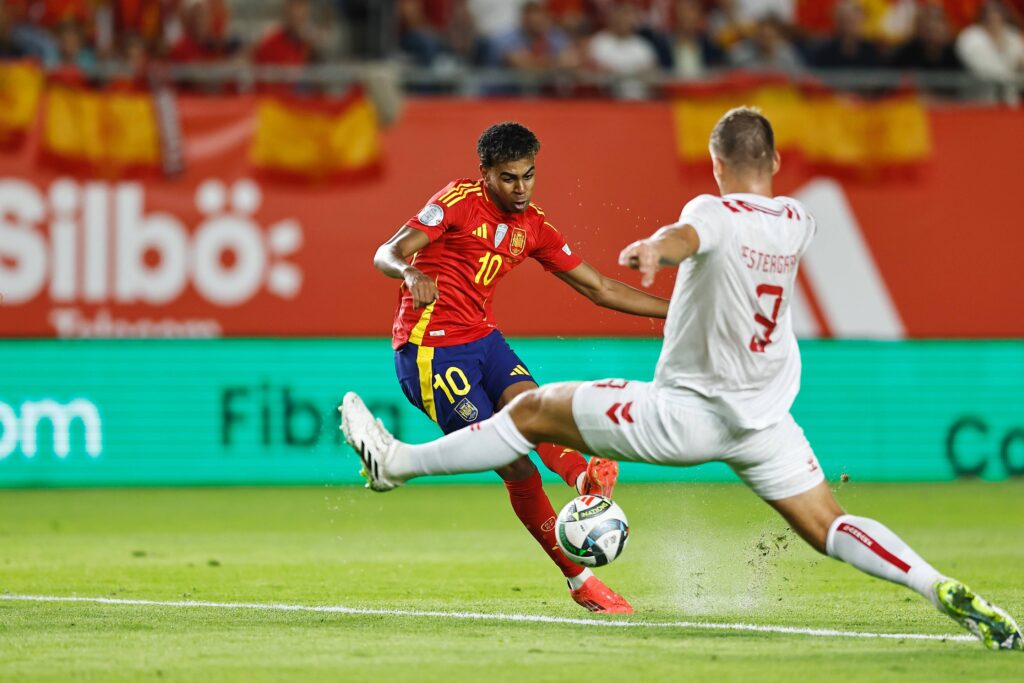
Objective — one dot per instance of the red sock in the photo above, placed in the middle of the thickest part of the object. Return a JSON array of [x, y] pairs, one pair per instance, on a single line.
[[535, 512], [567, 463]]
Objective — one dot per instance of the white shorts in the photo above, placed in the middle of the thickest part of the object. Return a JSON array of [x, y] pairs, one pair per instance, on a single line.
[[626, 420]]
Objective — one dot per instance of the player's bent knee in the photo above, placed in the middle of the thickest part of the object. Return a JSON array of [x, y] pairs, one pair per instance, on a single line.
[[517, 389], [545, 414], [524, 410], [556, 401], [525, 406]]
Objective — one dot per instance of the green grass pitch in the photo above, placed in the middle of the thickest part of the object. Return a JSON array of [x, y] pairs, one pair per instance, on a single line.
[[698, 553]]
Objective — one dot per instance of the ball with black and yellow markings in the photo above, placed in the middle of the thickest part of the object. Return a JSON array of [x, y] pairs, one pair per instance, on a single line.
[[592, 530]]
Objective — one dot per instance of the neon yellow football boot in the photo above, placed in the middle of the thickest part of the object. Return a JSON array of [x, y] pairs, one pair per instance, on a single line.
[[995, 628]]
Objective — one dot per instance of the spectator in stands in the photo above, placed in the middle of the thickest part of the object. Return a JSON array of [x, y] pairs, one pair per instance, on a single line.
[[652, 23], [751, 12], [726, 25], [653, 14], [537, 44], [440, 34], [31, 39], [463, 38], [658, 38], [659, 14], [148, 19], [896, 21], [370, 23], [496, 17], [890, 20], [881, 20], [10, 48], [200, 40], [620, 51], [572, 15], [931, 46], [292, 42], [417, 37], [767, 50], [992, 49], [848, 48], [55, 13], [134, 56], [961, 13], [693, 52], [439, 12], [76, 60]]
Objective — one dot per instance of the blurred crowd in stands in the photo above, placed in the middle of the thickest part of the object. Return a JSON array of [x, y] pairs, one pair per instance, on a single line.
[[684, 39], [689, 39], [79, 33]]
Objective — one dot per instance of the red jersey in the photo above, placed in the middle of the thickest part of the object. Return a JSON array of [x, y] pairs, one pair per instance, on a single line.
[[281, 47], [188, 49], [473, 244]]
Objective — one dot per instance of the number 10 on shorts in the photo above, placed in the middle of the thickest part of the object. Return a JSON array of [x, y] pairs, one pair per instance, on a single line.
[[454, 382]]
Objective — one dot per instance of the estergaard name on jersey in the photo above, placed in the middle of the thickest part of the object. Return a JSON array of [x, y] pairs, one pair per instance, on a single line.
[[768, 263]]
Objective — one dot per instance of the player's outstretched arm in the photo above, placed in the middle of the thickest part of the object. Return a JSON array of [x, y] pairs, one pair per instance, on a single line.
[[613, 294], [390, 259], [669, 246]]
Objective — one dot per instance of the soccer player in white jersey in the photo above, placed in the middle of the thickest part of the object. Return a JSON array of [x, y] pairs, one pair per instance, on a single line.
[[728, 373]]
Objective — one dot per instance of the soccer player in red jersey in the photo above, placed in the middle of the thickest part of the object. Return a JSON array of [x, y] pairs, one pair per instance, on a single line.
[[451, 360]]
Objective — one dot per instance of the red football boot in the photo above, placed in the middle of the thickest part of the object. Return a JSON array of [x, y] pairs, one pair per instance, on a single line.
[[597, 597], [600, 478]]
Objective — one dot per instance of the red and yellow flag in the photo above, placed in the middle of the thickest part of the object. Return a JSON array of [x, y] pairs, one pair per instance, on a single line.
[[20, 86], [826, 128], [316, 139], [105, 132]]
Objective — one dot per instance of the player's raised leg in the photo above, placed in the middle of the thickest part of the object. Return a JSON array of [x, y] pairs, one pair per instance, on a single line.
[[544, 414], [873, 548]]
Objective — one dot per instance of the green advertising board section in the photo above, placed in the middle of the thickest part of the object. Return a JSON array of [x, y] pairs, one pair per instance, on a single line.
[[112, 413]]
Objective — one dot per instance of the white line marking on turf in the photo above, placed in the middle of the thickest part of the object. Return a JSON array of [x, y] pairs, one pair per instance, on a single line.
[[480, 616]]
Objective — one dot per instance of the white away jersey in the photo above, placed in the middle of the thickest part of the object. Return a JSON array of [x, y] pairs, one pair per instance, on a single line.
[[729, 334]]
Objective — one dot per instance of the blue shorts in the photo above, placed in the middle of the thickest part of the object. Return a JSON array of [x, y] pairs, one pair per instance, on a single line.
[[459, 385]]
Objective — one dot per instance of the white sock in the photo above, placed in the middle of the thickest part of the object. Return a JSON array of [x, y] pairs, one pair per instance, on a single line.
[[872, 548], [483, 446], [580, 481], [575, 582]]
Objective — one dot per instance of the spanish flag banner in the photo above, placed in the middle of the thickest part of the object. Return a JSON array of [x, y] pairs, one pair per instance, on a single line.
[[317, 139], [21, 84], [826, 128], [107, 133]]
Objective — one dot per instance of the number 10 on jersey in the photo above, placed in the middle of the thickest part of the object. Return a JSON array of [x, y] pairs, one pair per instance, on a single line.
[[490, 264]]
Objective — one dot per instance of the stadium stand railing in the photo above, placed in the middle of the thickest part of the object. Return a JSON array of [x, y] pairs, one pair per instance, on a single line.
[[472, 82]]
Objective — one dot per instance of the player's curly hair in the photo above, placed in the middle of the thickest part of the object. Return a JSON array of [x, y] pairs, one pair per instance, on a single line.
[[744, 138], [506, 141]]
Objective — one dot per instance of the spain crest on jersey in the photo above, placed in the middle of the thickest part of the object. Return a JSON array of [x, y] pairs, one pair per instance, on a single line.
[[466, 410], [518, 242]]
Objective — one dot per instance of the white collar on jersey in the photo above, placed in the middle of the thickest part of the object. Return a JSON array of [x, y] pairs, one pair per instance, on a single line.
[[757, 199]]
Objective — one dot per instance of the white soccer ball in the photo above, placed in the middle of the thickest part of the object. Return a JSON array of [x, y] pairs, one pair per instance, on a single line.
[[592, 530]]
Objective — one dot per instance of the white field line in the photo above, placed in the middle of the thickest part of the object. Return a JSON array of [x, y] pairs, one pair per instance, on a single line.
[[479, 616]]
